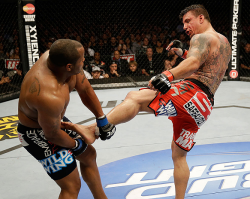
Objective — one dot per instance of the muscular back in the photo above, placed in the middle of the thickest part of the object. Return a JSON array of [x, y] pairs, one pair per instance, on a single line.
[[42, 94], [213, 51]]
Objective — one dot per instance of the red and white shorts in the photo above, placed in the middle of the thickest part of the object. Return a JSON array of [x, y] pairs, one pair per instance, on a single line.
[[187, 106]]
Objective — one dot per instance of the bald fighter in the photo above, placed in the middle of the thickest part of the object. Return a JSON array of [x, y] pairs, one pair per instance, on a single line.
[[188, 103], [43, 100]]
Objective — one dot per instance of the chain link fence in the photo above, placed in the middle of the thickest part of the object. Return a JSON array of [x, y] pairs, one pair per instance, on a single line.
[[124, 41], [10, 64], [118, 34]]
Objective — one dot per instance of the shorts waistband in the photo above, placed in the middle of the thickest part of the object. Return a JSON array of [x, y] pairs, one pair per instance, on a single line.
[[204, 88], [22, 128]]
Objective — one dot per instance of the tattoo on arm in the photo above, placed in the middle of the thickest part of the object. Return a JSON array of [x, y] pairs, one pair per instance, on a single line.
[[33, 87], [84, 77], [200, 47]]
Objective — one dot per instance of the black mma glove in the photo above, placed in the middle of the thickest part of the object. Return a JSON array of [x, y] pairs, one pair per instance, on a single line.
[[80, 147], [106, 129], [161, 82], [181, 52]]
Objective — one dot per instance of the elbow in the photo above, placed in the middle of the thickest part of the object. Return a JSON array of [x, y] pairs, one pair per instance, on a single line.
[[50, 137]]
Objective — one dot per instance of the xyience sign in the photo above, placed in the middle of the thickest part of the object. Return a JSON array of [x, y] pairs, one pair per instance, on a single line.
[[29, 16], [217, 171]]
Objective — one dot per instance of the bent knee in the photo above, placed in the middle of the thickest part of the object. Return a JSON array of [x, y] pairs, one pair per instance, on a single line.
[[88, 156], [132, 95], [71, 190], [177, 152]]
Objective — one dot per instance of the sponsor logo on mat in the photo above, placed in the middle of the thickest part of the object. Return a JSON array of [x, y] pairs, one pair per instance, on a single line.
[[216, 171]]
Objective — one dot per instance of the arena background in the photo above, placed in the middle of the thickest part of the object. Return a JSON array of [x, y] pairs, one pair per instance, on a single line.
[[89, 21]]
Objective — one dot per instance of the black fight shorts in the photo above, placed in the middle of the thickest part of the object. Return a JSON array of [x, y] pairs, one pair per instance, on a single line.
[[58, 162]]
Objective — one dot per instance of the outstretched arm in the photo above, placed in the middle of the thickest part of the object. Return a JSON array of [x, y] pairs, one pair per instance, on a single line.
[[87, 95], [90, 100]]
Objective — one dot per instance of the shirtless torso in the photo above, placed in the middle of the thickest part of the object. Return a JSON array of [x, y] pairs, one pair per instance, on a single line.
[[45, 95], [40, 78], [214, 52]]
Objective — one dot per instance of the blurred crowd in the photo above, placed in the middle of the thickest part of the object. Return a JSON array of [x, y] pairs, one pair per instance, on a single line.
[[118, 52], [10, 65], [113, 52]]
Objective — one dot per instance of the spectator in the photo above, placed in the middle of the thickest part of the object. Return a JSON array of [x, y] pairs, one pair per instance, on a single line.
[[102, 48], [167, 65], [128, 44], [154, 40], [133, 69], [113, 45], [121, 63], [162, 37], [143, 49], [167, 42], [150, 65], [182, 38], [113, 70], [88, 52], [105, 39], [173, 35], [15, 54], [123, 33], [179, 28], [92, 43], [124, 50], [137, 44], [175, 59], [97, 73], [78, 38], [132, 38], [97, 62], [159, 47], [245, 61], [4, 79]]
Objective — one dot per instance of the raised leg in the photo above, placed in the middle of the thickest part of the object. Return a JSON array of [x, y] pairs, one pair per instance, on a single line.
[[134, 102]]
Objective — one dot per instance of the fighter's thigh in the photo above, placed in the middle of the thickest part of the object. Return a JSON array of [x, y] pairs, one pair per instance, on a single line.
[[143, 98], [87, 157], [70, 182]]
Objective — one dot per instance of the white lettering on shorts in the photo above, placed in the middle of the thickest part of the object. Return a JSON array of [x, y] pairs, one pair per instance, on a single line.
[[53, 164], [186, 139], [199, 108], [33, 136]]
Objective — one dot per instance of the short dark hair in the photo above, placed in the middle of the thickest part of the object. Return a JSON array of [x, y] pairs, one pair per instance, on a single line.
[[64, 51], [196, 9]]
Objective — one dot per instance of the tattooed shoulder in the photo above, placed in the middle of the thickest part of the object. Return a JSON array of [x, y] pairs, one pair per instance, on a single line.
[[200, 46], [35, 87]]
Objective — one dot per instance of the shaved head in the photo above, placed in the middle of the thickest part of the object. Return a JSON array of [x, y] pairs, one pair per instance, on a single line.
[[64, 51]]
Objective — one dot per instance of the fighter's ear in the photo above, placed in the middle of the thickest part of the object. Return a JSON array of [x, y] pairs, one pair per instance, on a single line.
[[201, 18], [69, 67]]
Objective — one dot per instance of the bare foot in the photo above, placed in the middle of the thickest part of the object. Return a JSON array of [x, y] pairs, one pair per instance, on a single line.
[[86, 132]]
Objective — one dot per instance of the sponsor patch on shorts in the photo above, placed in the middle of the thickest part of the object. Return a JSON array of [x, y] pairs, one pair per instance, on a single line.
[[199, 108], [167, 109], [186, 140], [58, 161]]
